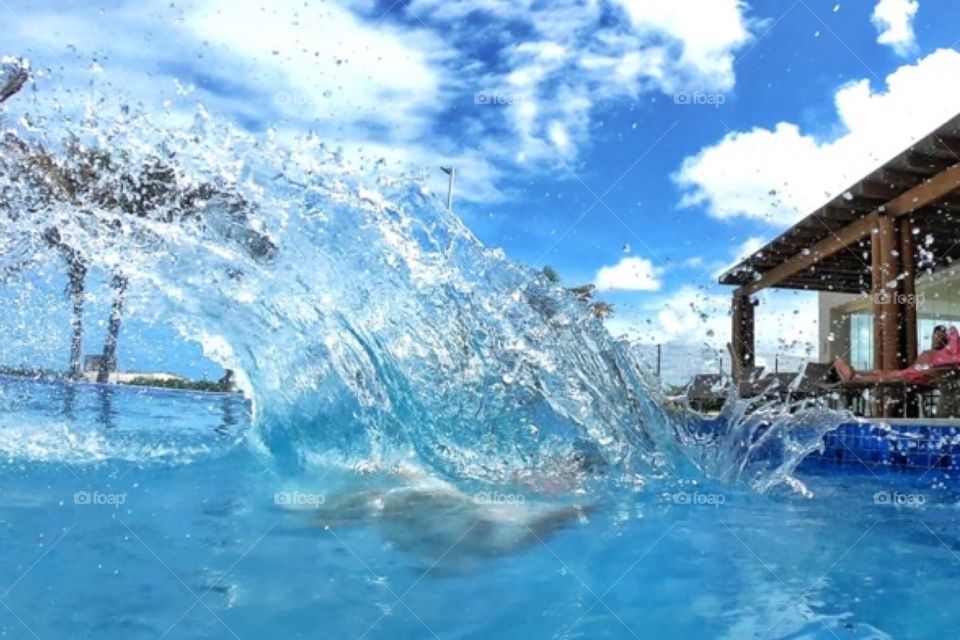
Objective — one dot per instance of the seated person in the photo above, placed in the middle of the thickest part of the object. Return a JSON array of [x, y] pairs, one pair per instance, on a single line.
[[945, 352]]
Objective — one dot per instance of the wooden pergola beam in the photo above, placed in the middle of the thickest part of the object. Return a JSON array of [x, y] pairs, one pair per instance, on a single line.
[[823, 249], [898, 178], [927, 163], [939, 186], [947, 143], [916, 198], [872, 190]]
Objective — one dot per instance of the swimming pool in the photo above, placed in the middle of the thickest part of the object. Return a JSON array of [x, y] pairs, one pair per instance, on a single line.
[[147, 514]]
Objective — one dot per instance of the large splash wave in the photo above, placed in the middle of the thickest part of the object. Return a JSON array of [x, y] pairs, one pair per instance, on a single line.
[[365, 321]]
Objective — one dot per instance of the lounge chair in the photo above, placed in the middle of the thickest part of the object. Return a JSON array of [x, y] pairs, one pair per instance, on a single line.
[[745, 378], [706, 392], [815, 379]]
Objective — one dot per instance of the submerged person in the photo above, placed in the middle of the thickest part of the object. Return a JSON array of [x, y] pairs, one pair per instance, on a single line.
[[441, 526], [944, 351]]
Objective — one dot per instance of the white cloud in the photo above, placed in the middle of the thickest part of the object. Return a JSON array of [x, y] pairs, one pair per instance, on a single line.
[[401, 85], [894, 22], [350, 74], [630, 274], [567, 55], [779, 175], [747, 249], [707, 32], [373, 91], [786, 321]]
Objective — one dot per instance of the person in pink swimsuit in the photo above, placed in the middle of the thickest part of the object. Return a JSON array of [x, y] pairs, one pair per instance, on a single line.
[[945, 353]]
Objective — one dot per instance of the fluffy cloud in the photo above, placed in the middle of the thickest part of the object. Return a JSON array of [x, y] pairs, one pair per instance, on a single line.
[[401, 85], [630, 274], [894, 21], [747, 248], [779, 175], [551, 63], [786, 321], [352, 74], [372, 89], [707, 33]]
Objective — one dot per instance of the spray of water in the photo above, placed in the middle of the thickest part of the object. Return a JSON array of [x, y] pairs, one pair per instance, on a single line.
[[365, 321]]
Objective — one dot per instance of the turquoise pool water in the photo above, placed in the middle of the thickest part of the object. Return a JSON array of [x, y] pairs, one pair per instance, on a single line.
[[147, 514], [439, 442]]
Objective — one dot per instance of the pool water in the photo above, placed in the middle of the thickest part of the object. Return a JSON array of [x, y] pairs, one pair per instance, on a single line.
[[146, 514]]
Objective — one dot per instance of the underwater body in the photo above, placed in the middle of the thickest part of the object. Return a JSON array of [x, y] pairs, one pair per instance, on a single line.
[[433, 441]]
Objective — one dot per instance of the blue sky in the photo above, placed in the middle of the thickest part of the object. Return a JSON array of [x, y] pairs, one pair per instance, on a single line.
[[643, 145]]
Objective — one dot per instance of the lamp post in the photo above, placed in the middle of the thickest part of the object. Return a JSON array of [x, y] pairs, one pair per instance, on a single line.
[[451, 171]]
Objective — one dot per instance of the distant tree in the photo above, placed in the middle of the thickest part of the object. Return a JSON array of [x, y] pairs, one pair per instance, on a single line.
[[76, 275], [13, 75], [108, 363], [87, 179], [602, 310], [583, 293]]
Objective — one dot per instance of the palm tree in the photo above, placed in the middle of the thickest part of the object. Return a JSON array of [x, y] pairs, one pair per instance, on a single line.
[[88, 178], [108, 363], [76, 274], [584, 293], [602, 310], [13, 75], [550, 274]]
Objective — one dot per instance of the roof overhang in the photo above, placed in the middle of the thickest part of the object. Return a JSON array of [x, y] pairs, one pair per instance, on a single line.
[[830, 249]]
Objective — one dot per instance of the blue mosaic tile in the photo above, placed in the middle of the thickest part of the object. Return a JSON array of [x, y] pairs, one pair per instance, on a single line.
[[921, 460], [906, 449]]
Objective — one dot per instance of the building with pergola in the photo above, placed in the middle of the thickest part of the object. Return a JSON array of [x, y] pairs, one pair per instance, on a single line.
[[880, 254]]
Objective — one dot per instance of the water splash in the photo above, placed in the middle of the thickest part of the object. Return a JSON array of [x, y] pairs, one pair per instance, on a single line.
[[370, 327]]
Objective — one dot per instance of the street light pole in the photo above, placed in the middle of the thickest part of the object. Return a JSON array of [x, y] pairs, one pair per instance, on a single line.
[[451, 171]]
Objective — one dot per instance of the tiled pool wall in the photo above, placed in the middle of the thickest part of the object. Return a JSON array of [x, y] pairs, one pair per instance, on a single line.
[[912, 447]]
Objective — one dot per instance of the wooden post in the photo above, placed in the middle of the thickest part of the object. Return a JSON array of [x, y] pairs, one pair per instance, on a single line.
[[909, 261], [876, 289], [890, 300], [887, 305], [743, 332]]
